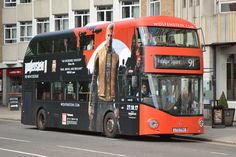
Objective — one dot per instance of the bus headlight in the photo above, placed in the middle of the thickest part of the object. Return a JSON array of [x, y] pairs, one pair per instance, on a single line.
[[201, 123], [153, 124]]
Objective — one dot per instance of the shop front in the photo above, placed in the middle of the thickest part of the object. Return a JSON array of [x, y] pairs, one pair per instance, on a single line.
[[14, 92], [225, 72]]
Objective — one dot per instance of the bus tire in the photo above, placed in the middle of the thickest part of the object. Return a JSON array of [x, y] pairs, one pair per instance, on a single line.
[[41, 119], [110, 125]]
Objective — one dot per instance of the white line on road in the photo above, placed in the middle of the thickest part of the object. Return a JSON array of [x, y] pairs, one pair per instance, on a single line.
[[218, 153], [19, 152], [89, 150], [13, 139], [211, 142]]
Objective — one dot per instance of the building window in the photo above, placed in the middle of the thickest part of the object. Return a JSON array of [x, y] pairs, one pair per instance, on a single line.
[[130, 9], [25, 1], [190, 3], [184, 3], [61, 22], [25, 31], [231, 77], [197, 2], [104, 13], [81, 18], [228, 6], [10, 3], [10, 33], [154, 7], [42, 25]]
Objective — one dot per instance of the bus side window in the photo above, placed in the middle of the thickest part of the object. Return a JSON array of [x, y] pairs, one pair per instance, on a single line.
[[131, 89], [59, 46], [57, 91], [89, 43], [43, 91], [71, 44], [45, 47], [83, 91], [70, 88]]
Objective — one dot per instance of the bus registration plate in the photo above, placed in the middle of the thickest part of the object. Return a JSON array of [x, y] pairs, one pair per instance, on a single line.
[[179, 129]]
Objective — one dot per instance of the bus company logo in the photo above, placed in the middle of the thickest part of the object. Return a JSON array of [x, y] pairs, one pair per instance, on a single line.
[[36, 66]]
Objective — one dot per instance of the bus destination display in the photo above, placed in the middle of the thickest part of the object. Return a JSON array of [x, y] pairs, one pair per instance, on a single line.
[[176, 62]]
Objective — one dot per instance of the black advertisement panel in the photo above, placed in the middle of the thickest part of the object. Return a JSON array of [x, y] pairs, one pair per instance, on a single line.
[[53, 67], [176, 62]]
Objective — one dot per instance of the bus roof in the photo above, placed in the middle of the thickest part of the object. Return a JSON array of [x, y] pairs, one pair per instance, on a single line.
[[53, 35]]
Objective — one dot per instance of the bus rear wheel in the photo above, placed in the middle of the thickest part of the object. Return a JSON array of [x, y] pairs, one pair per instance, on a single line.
[[109, 125], [41, 119]]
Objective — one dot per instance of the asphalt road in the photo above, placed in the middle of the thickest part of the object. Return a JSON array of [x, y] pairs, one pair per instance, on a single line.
[[17, 140]]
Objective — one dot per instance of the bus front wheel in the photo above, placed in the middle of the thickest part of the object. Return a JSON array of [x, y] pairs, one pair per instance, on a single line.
[[109, 125], [41, 119]]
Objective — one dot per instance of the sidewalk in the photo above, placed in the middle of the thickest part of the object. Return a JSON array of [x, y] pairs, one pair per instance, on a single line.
[[9, 115], [222, 135]]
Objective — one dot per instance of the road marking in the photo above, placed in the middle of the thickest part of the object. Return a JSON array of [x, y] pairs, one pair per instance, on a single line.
[[19, 152], [210, 142], [13, 139], [89, 150], [218, 153]]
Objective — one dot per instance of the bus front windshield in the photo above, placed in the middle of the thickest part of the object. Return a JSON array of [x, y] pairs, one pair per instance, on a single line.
[[176, 95], [170, 37]]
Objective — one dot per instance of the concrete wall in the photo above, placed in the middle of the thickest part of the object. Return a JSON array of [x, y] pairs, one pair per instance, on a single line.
[[80, 5], [167, 7], [41, 9], [9, 15], [60, 8], [24, 12], [10, 53]]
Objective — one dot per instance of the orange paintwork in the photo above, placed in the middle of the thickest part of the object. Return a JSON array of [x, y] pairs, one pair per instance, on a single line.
[[167, 122], [124, 29]]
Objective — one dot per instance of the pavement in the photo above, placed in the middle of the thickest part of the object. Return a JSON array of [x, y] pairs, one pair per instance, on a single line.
[[225, 135]]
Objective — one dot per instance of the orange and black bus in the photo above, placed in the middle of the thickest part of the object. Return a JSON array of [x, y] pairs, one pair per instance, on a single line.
[[131, 77]]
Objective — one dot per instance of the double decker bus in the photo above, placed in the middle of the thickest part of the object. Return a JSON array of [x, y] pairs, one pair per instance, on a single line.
[[131, 77]]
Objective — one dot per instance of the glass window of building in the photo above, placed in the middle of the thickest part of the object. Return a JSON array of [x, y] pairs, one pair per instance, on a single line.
[[231, 77], [25, 1], [184, 3], [104, 13], [61, 22], [81, 18], [130, 9], [10, 3], [197, 2], [155, 7], [190, 3], [228, 6], [10, 33], [25, 31], [42, 25]]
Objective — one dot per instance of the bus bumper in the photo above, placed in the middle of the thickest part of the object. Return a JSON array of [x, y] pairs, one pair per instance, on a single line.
[[153, 121]]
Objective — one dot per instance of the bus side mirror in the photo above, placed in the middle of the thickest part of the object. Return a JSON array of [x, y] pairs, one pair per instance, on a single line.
[[203, 44], [134, 81]]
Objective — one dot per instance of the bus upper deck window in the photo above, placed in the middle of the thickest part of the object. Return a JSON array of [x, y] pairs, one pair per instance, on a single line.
[[89, 42]]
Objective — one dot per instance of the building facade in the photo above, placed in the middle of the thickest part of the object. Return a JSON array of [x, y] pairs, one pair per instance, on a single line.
[[23, 19], [217, 18]]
